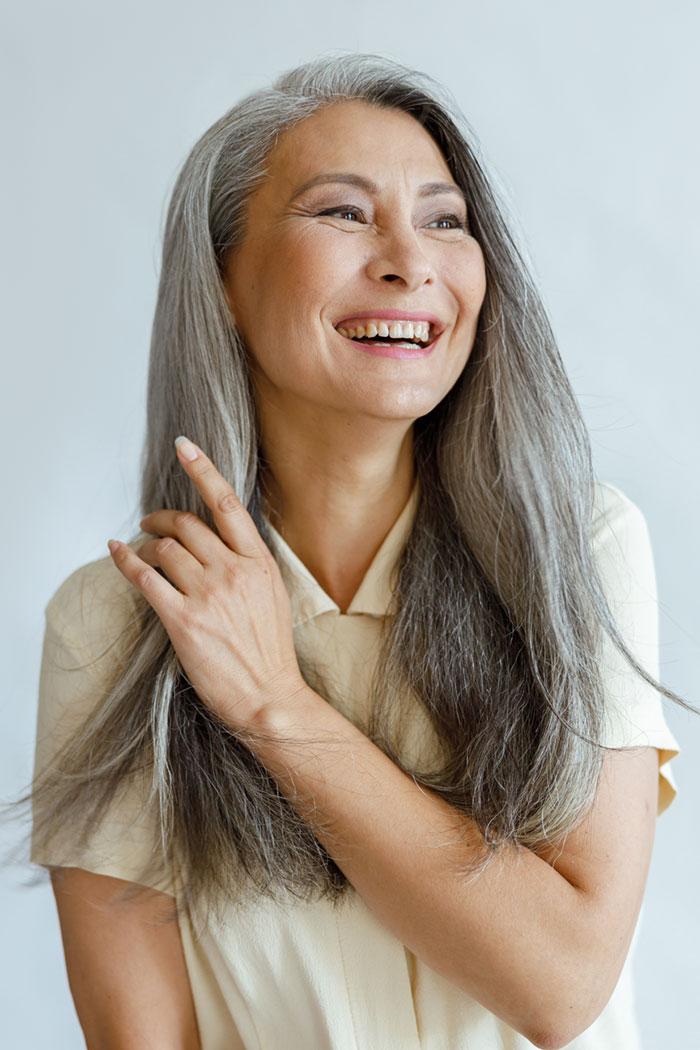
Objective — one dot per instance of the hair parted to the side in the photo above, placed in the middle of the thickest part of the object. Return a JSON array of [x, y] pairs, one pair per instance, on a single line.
[[499, 607]]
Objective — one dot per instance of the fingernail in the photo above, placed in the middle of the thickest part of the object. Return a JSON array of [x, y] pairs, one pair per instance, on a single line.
[[186, 447]]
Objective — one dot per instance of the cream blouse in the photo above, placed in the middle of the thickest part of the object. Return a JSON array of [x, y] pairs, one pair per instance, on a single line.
[[306, 976]]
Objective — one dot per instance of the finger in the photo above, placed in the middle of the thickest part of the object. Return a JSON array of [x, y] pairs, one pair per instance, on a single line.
[[192, 533], [182, 569], [160, 594], [233, 521]]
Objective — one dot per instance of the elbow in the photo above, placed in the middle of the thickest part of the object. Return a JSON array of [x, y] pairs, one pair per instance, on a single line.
[[570, 1004], [547, 1041], [555, 1036], [555, 1042]]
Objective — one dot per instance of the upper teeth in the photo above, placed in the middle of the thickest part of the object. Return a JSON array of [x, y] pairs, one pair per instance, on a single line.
[[394, 329]]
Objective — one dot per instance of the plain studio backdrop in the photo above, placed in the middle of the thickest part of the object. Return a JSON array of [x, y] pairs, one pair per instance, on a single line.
[[586, 116]]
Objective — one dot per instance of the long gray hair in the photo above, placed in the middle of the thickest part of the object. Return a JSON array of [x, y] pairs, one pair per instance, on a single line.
[[499, 608]]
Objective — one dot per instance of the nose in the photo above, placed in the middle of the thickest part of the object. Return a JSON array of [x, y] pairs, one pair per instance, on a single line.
[[399, 256]]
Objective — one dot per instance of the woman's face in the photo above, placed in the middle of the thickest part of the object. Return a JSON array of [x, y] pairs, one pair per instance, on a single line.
[[313, 257]]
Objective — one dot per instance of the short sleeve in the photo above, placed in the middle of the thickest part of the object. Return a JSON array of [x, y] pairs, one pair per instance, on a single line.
[[87, 621], [623, 553]]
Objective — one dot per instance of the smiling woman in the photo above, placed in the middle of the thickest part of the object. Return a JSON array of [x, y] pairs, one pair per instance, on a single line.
[[372, 700], [340, 230]]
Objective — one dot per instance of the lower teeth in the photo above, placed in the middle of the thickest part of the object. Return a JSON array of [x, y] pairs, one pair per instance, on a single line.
[[395, 342]]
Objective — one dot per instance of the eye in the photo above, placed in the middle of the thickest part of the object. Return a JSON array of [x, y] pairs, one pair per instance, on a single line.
[[345, 210], [458, 224], [349, 210]]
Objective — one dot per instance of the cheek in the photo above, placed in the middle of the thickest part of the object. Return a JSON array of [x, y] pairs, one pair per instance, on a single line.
[[323, 263], [305, 274], [476, 275], [467, 276]]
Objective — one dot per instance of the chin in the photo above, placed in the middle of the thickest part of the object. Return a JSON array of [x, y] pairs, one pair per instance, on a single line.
[[407, 407]]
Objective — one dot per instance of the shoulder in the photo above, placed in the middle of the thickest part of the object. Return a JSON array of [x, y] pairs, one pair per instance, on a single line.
[[620, 534], [92, 621], [613, 509], [94, 603]]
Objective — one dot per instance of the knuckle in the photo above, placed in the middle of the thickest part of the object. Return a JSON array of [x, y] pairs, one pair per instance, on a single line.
[[231, 569], [201, 467], [211, 602], [228, 503], [144, 578], [184, 519], [188, 622]]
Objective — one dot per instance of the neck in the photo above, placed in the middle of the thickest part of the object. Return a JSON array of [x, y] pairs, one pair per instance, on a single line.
[[334, 500]]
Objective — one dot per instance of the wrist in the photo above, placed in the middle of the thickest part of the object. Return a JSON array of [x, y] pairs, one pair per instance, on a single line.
[[289, 707]]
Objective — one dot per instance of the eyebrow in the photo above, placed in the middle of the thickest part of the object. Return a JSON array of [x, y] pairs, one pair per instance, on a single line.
[[428, 189]]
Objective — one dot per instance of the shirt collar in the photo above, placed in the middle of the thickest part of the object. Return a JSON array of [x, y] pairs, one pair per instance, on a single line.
[[308, 599]]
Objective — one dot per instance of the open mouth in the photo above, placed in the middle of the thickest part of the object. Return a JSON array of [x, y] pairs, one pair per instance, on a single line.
[[418, 337]]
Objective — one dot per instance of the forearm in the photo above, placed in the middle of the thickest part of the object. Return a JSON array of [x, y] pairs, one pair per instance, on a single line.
[[511, 939]]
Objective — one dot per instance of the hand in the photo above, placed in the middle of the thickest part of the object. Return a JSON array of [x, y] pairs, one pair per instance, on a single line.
[[230, 618]]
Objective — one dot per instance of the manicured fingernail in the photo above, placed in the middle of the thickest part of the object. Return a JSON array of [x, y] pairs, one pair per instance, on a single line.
[[186, 448], [113, 545]]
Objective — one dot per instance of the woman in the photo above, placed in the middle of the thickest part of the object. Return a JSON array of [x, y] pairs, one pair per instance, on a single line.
[[351, 711]]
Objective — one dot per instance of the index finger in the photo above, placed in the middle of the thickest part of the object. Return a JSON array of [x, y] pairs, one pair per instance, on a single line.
[[236, 527]]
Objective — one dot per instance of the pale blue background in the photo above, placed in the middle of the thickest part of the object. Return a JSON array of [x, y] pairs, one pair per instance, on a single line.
[[588, 116]]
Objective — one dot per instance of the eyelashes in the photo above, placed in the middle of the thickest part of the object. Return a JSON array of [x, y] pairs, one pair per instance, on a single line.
[[459, 224]]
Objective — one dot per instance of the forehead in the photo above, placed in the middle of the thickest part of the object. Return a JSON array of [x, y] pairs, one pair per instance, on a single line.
[[355, 136]]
